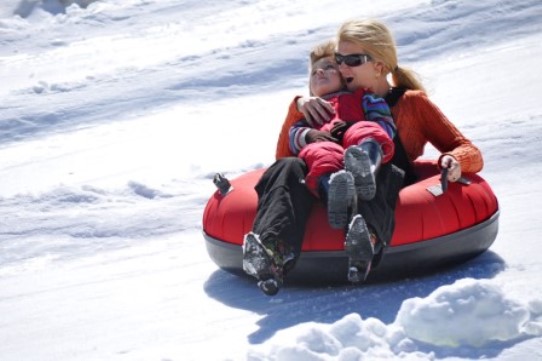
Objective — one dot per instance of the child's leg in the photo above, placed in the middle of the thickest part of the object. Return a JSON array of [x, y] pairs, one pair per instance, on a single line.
[[321, 158], [368, 145], [364, 130], [327, 179]]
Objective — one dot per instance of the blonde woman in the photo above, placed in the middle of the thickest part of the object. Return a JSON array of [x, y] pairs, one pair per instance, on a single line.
[[367, 58]]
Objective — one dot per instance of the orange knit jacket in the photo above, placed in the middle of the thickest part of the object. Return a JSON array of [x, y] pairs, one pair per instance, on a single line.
[[418, 121]]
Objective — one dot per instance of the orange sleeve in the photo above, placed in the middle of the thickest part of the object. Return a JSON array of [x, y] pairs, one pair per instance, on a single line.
[[445, 136], [283, 143]]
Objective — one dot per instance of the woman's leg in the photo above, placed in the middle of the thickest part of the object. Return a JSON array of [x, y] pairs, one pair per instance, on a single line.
[[379, 213], [372, 227], [284, 204]]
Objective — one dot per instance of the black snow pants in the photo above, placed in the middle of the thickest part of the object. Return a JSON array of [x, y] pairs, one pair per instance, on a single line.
[[379, 212], [284, 203]]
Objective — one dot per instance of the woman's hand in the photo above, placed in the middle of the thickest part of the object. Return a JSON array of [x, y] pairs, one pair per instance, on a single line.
[[316, 110], [454, 168]]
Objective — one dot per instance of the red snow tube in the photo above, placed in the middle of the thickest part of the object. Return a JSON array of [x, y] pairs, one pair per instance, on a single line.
[[431, 230]]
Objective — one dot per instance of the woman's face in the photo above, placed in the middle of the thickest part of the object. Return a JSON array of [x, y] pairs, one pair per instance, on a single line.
[[325, 77], [361, 76]]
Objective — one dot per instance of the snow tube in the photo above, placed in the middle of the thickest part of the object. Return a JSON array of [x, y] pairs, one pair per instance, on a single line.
[[432, 230]]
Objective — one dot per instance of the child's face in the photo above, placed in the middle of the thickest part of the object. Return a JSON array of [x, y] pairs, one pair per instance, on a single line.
[[325, 77]]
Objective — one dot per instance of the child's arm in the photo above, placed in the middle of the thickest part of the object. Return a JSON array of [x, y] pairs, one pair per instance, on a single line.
[[297, 135], [377, 110], [301, 134]]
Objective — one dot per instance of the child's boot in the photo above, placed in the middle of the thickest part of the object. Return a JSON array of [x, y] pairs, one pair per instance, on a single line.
[[341, 198], [363, 161]]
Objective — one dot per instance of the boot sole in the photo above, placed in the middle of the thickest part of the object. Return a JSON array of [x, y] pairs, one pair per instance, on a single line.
[[340, 199], [359, 249], [357, 162]]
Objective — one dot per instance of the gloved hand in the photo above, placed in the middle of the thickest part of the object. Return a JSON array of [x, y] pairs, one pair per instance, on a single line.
[[314, 135], [339, 128]]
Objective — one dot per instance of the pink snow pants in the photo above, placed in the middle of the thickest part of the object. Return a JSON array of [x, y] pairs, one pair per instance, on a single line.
[[327, 157]]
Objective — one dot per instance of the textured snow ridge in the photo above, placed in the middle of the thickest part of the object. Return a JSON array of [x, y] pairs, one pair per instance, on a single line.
[[441, 318], [469, 313]]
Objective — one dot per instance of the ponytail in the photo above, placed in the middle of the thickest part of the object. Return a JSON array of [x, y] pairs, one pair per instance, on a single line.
[[406, 78]]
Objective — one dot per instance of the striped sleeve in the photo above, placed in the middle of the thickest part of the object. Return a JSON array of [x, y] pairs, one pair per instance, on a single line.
[[377, 110], [296, 135]]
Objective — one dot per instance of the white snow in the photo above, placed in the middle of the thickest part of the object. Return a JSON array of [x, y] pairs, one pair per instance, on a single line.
[[116, 114]]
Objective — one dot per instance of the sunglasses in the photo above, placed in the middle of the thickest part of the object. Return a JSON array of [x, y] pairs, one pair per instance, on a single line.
[[352, 59]]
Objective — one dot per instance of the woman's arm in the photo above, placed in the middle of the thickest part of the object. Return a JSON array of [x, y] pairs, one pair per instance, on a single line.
[[283, 143], [316, 110], [445, 136]]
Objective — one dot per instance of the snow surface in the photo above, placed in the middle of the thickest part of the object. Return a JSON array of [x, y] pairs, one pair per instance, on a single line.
[[115, 116]]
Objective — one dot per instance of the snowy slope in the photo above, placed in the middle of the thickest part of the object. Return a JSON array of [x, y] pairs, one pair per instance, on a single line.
[[116, 115]]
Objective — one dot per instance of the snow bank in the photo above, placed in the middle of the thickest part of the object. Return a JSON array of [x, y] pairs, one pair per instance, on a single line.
[[469, 313], [440, 319], [25, 8]]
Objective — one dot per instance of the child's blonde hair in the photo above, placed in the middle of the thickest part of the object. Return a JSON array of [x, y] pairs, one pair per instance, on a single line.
[[321, 51]]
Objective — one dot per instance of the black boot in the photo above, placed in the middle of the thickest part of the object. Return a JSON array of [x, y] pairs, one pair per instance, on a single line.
[[360, 249], [263, 262], [363, 161]]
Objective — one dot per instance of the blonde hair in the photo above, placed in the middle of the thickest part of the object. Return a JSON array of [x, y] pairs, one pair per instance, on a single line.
[[322, 50], [375, 37]]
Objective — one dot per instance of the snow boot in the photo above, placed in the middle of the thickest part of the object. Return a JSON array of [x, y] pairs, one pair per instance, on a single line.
[[341, 198], [263, 263], [289, 260], [270, 286], [363, 161], [283, 262], [359, 248]]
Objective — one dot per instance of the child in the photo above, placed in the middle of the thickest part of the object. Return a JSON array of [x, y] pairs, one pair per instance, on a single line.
[[343, 154]]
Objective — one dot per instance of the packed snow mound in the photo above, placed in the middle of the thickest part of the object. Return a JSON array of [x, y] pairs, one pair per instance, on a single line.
[[26, 8], [469, 313], [440, 318], [350, 338]]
